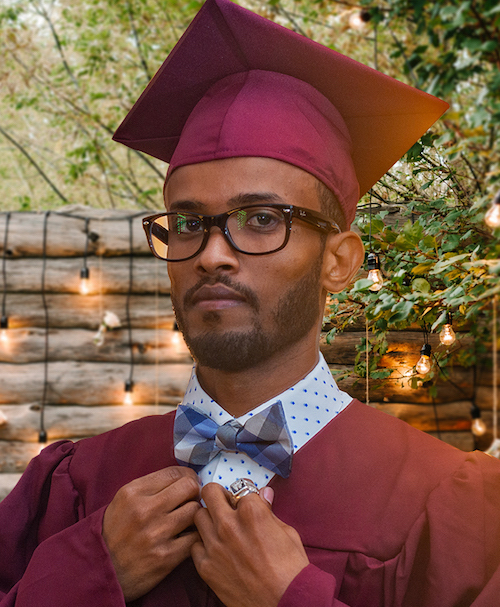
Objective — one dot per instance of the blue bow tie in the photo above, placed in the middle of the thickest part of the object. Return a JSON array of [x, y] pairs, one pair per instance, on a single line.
[[264, 437]]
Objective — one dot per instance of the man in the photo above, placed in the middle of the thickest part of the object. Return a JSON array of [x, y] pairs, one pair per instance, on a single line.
[[345, 505]]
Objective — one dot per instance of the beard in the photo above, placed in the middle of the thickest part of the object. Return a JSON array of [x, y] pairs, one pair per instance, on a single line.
[[295, 314]]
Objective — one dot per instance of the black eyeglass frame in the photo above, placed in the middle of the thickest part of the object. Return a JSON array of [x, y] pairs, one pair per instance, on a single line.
[[316, 220]]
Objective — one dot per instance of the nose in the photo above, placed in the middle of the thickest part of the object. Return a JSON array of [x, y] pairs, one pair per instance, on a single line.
[[217, 255]]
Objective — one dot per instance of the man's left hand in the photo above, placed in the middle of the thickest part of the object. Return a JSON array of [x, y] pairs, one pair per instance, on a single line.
[[247, 555]]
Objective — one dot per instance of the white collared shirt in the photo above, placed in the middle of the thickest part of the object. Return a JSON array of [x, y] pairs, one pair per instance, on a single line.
[[308, 406]]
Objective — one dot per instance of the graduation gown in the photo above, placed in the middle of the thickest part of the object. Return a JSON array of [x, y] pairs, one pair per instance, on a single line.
[[389, 517]]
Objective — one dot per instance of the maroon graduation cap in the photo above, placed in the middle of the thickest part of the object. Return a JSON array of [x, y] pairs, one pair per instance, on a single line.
[[237, 84]]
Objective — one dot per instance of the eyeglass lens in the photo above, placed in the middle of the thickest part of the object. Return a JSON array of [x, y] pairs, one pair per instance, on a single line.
[[177, 236]]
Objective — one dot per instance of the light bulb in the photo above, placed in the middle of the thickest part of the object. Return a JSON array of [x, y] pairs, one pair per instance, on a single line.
[[478, 427], [3, 418], [376, 277], [128, 397], [374, 273], [359, 19], [4, 332], [84, 281], [447, 336], [424, 363], [492, 217]]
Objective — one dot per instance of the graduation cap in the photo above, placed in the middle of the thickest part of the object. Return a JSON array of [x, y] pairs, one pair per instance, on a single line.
[[237, 84]]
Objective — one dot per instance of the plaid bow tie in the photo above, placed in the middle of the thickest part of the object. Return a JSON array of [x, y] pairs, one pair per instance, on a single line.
[[264, 437]]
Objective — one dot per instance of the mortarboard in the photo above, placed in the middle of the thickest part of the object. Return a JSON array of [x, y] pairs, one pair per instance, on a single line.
[[237, 84]]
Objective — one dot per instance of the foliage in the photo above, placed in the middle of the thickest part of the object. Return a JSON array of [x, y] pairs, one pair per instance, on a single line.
[[71, 71]]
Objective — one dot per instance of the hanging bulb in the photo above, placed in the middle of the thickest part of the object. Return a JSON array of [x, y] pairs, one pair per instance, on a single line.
[[84, 281], [424, 363], [447, 336], [478, 427], [492, 217], [4, 333], [359, 19], [128, 398], [374, 273], [3, 418]]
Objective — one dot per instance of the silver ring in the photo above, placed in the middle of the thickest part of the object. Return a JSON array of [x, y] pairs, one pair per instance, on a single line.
[[240, 488]]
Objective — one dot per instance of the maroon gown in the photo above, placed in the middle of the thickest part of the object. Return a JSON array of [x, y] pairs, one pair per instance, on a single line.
[[389, 517]]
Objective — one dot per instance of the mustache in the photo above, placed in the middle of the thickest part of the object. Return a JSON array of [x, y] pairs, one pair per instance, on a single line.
[[250, 297]]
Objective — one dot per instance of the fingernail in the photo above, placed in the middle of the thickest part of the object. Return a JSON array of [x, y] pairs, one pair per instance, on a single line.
[[268, 495]]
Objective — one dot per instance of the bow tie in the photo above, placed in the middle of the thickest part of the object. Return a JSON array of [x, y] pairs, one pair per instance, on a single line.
[[264, 437]]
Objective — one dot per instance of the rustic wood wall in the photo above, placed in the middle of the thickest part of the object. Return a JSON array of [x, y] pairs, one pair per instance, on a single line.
[[51, 366]]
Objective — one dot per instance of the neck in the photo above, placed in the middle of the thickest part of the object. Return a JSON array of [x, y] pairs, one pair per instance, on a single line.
[[241, 392]]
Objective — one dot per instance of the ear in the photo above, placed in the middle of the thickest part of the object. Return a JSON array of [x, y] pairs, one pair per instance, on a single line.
[[344, 254]]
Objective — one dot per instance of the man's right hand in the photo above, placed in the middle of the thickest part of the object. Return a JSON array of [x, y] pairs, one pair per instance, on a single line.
[[145, 527]]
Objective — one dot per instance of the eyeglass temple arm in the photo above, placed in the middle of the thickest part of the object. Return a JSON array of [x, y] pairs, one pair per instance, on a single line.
[[160, 232]]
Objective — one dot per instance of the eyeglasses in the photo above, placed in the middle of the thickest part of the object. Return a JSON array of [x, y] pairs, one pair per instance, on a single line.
[[253, 230]]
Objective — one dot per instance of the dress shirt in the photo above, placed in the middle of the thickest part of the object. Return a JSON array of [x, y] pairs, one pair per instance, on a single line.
[[308, 406]]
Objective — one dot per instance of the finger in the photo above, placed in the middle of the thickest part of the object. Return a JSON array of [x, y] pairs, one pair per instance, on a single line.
[[153, 483], [185, 489], [267, 495], [217, 499], [181, 520]]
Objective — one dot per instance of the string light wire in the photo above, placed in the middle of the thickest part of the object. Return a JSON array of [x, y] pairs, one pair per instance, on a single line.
[[42, 436]]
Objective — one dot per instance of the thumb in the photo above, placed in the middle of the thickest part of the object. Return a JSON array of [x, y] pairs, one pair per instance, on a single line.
[[267, 495]]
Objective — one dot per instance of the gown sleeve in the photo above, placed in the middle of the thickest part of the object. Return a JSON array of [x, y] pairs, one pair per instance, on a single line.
[[51, 552]]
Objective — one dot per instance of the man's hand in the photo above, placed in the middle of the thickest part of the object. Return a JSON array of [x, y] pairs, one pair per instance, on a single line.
[[247, 555], [145, 527]]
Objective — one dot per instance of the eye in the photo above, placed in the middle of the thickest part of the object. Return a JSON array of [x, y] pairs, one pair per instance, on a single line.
[[185, 224], [259, 219]]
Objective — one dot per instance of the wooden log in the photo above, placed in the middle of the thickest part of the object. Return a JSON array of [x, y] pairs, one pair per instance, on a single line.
[[108, 230], [397, 388], [461, 440], [450, 416], [112, 275], [71, 311], [7, 483], [88, 383], [484, 398], [150, 346], [404, 347], [70, 422], [15, 456]]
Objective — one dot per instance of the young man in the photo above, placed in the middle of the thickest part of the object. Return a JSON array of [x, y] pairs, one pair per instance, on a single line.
[[345, 505]]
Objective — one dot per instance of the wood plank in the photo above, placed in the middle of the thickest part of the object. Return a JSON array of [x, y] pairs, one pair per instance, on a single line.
[[451, 416], [111, 275], [69, 422], [150, 346], [75, 311], [109, 231], [397, 388], [7, 483], [403, 351], [89, 383]]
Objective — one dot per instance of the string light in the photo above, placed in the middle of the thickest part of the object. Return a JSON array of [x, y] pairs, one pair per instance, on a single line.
[[359, 19], [84, 272], [4, 333], [3, 418], [447, 335], [128, 398], [4, 320], [424, 363], [374, 273], [492, 217], [478, 427]]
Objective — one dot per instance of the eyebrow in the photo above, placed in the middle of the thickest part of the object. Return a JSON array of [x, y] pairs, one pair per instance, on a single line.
[[239, 200]]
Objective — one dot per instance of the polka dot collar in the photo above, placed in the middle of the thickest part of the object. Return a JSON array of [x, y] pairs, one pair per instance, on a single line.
[[308, 405]]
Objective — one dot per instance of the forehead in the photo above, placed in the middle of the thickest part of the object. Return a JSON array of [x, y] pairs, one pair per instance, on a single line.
[[216, 185]]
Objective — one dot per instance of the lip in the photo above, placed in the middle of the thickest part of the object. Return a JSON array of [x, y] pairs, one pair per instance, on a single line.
[[216, 297]]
